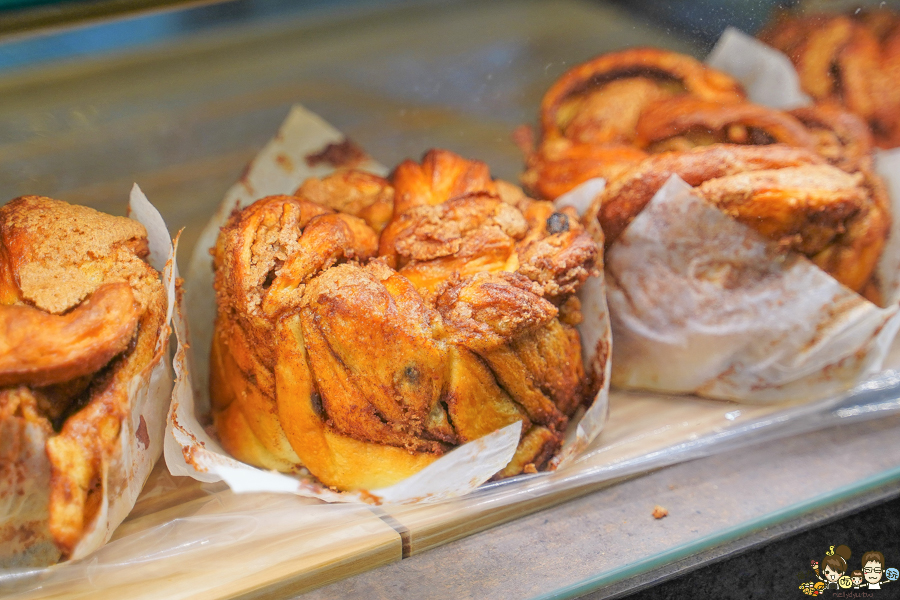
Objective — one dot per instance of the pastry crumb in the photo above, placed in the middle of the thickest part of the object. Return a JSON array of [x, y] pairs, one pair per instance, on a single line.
[[659, 512], [529, 468]]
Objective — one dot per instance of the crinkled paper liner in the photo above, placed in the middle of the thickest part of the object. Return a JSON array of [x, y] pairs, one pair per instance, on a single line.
[[702, 304], [767, 74], [24, 500], [191, 450], [800, 336]]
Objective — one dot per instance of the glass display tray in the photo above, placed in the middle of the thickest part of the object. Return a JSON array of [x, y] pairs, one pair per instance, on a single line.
[[608, 544]]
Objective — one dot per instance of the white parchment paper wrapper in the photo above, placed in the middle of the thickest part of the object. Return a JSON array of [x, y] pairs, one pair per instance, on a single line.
[[770, 79], [767, 74], [26, 540], [703, 304], [190, 450]]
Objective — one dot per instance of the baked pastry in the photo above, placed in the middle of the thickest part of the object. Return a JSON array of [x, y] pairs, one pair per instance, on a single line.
[[851, 60], [600, 101], [452, 219], [605, 116], [353, 192], [263, 256], [589, 116], [685, 122], [697, 303], [560, 165], [81, 314], [841, 137], [839, 220], [364, 360]]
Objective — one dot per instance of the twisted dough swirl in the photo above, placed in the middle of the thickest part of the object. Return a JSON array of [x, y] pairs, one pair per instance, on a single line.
[[589, 116], [365, 359], [80, 315], [792, 196], [847, 60], [603, 117]]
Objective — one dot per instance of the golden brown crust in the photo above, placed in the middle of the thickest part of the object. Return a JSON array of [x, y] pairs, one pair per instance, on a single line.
[[537, 447], [589, 116], [337, 460], [441, 176], [803, 208], [685, 122], [625, 197], [557, 253], [608, 114], [353, 316], [55, 258], [841, 137], [669, 72], [849, 60], [560, 165], [465, 235], [476, 404], [789, 195], [246, 415], [59, 252], [270, 249], [503, 318], [486, 232], [264, 257], [486, 310], [353, 192], [370, 382], [41, 349], [90, 435]]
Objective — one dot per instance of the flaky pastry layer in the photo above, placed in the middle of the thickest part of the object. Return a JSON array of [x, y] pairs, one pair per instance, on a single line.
[[80, 316], [366, 365]]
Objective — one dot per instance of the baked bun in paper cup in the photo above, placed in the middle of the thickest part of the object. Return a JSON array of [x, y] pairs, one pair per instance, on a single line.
[[386, 339], [589, 116], [748, 273], [85, 379], [771, 79], [756, 273], [851, 60]]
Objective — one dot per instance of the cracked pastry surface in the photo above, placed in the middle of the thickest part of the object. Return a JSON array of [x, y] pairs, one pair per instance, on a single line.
[[353, 192], [362, 366], [792, 196], [492, 229], [80, 314]]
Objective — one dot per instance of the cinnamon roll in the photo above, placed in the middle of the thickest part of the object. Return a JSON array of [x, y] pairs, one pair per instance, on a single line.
[[849, 60], [588, 118], [363, 360], [839, 220]]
